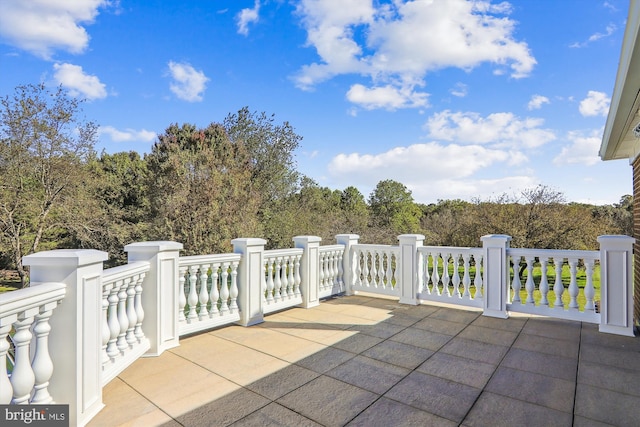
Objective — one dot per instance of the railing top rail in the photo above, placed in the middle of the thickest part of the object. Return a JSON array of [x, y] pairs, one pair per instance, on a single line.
[[449, 249], [327, 248], [283, 252], [554, 253], [122, 271], [373, 246], [187, 261], [24, 299]]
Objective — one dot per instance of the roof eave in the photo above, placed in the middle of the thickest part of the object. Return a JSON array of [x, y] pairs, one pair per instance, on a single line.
[[624, 102]]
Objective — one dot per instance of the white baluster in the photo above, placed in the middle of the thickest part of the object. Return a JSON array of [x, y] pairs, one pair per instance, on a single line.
[[233, 289], [544, 283], [393, 274], [427, 274], [131, 311], [516, 285], [365, 268], [323, 271], [435, 276], [334, 269], [284, 279], [192, 299], [384, 278], [182, 298], [340, 270], [589, 292], [123, 320], [423, 274], [456, 275], [358, 268], [106, 334], [139, 333], [224, 289], [466, 279], [530, 284], [573, 285], [6, 389], [270, 284], [22, 377], [389, 270], [446, 280], [203, 296], [374, 271], [329, 278], [42, 364], [297, 278], [558, 286], [277, 283], [215, 293], [290, 279], [114, 325], [477, 280]]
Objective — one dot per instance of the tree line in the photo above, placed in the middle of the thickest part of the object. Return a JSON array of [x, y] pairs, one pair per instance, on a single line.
[[237, 178]]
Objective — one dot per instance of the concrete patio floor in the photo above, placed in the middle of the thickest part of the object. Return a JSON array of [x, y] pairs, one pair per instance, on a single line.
[[363, 361]]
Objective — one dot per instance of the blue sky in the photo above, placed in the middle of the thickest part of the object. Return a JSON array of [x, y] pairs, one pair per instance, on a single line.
[[453, 98]]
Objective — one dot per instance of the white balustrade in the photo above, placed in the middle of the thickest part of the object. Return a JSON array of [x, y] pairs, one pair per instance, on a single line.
[[440, 277], [539, 264], [24, 378], [208, 292], [374, 269], [123, 339], [281, 283], [331, 272]]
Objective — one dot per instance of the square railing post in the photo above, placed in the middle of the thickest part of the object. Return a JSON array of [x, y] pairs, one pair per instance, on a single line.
[[75, 340], [309, 269], [616, 284], [496, 275], [348, 240], [160, 292], [250, 279], [409, 267]]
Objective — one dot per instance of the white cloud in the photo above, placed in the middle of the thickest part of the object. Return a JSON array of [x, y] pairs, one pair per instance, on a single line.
[[431, 170], [497, 129], [398, 43], [388, 97], [595, 104], [43, 26], [247, 16], [537, 101], [611, 28], [73, 78], [127, 135], [582, 150], [460, 90], [188, 84]]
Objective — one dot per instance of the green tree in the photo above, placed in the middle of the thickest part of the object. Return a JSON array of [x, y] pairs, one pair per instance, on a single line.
[[354, 210], [200, 189], [393, 210], [120, 190], [44, 146], [273, 174], [447, 223], [270, 147], [538, 218]]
